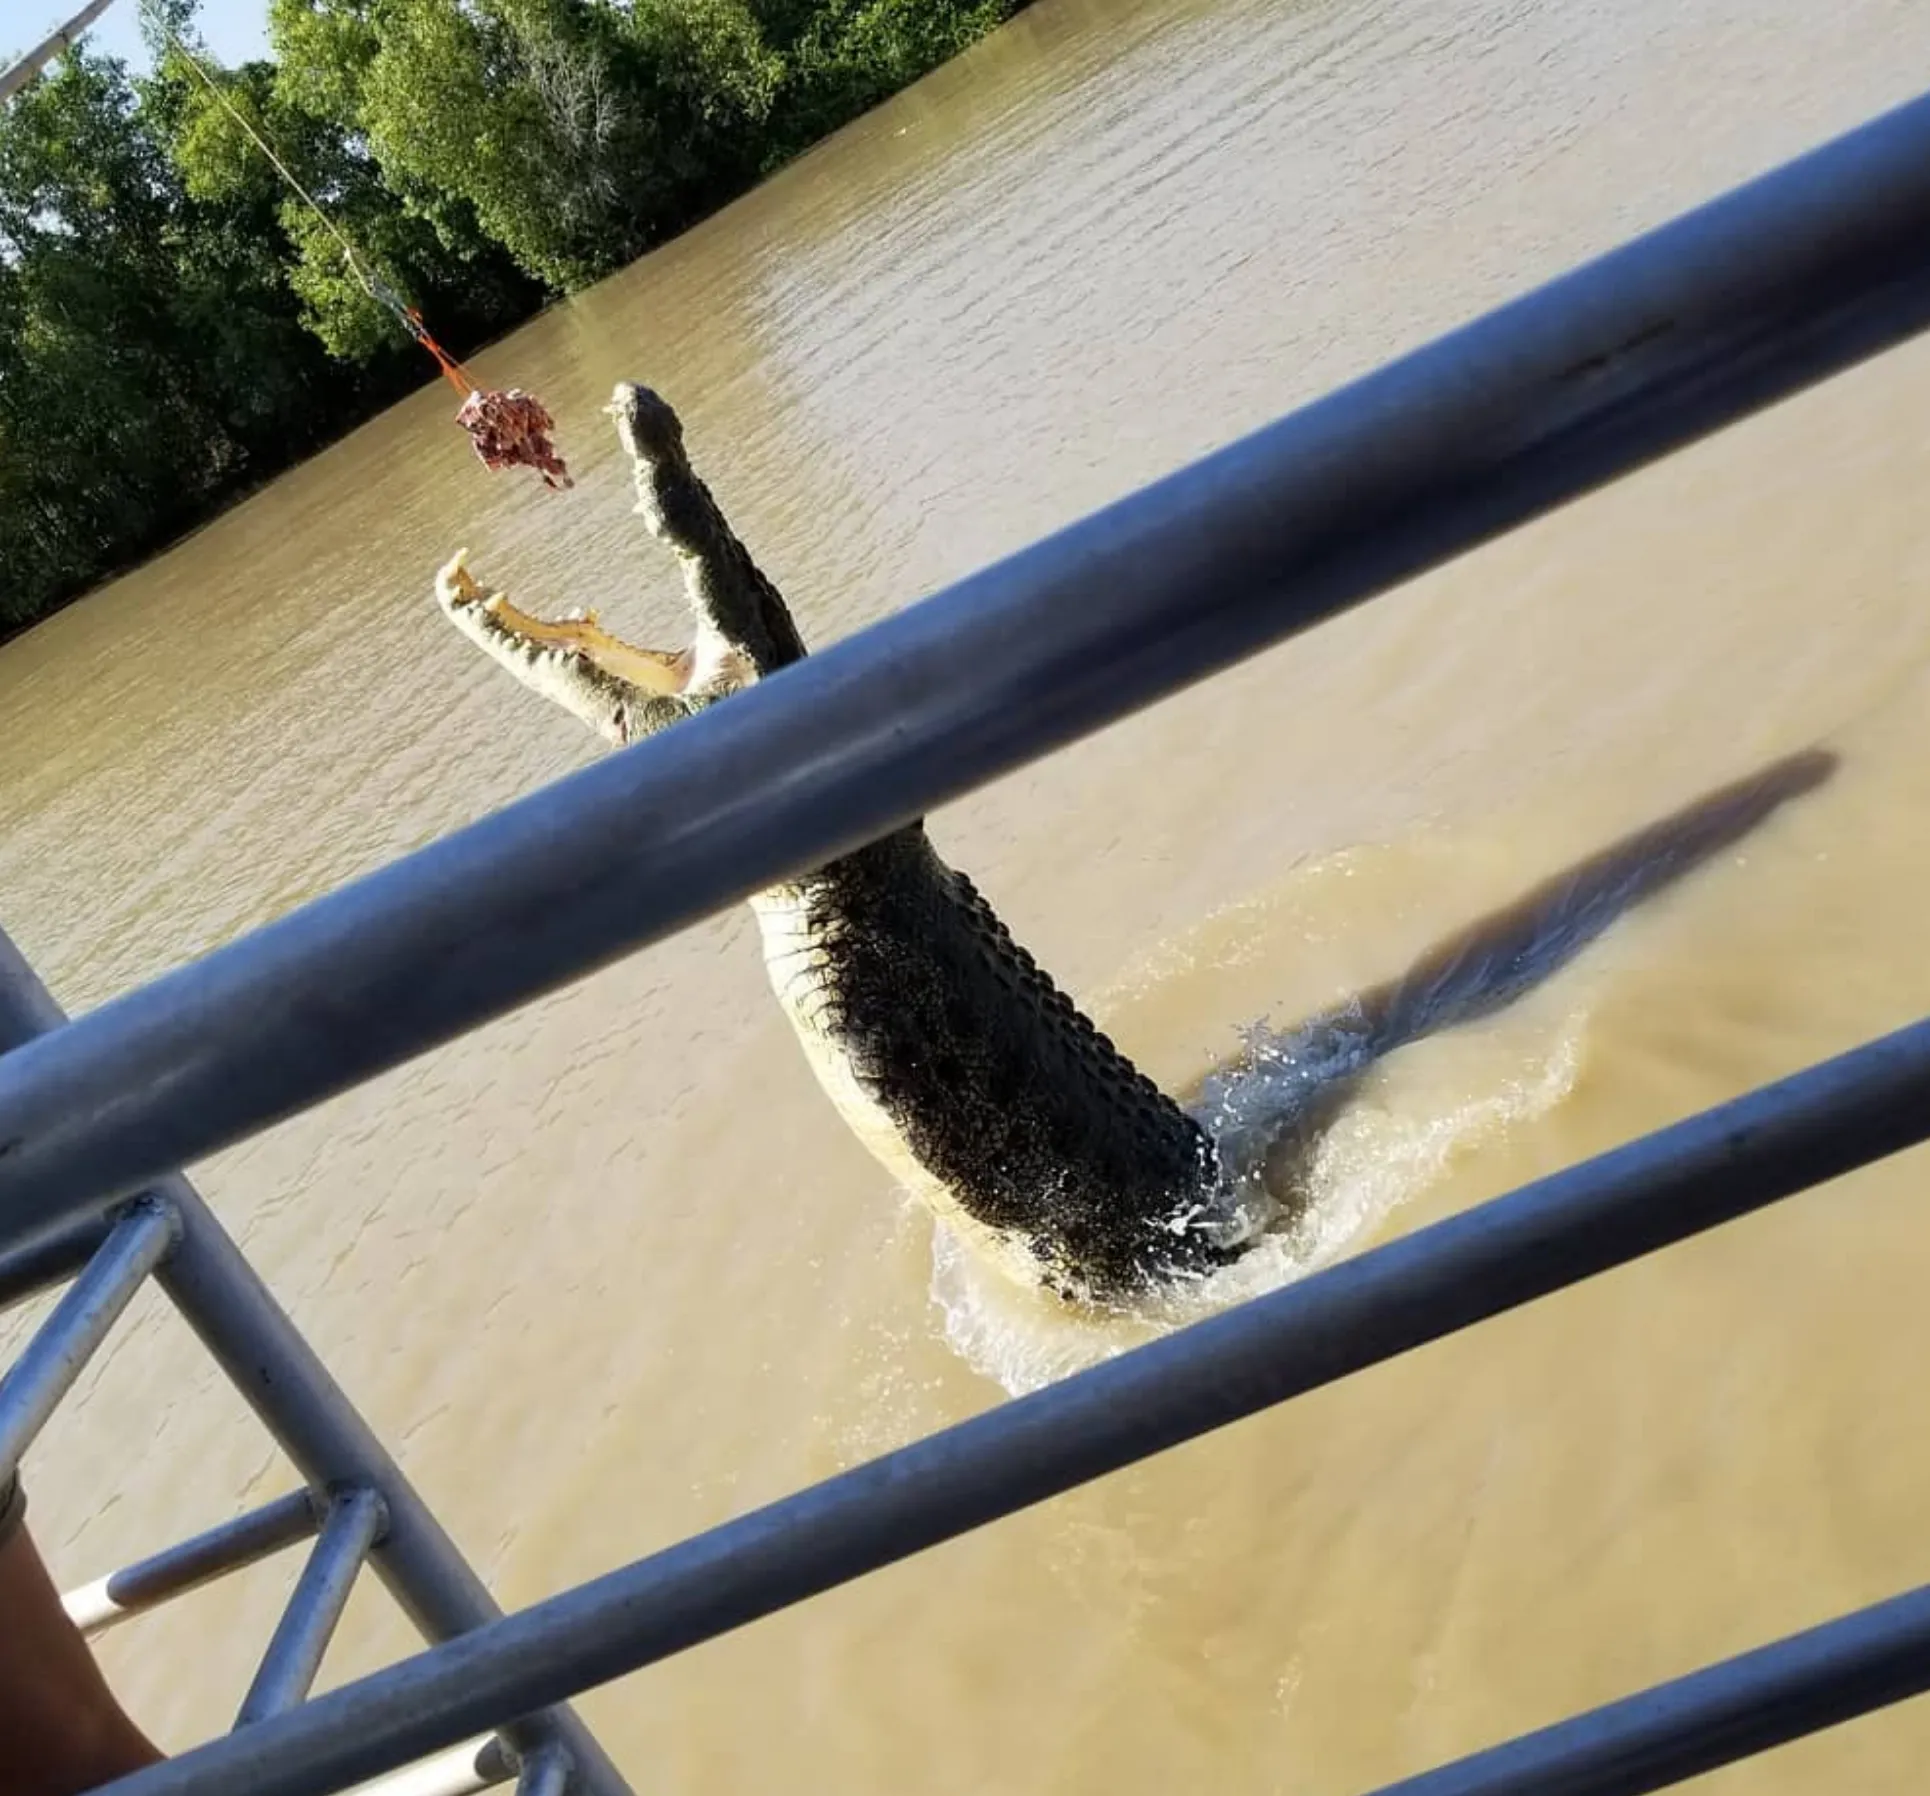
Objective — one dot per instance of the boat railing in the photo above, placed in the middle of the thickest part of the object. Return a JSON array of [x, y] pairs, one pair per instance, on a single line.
[[1746, 301]]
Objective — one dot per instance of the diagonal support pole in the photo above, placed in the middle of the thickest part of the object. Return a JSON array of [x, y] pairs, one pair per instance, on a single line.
[[82, 1320], [355, 1523]]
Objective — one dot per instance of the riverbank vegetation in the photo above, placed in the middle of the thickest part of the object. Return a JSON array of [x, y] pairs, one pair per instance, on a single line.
[[177, 326]]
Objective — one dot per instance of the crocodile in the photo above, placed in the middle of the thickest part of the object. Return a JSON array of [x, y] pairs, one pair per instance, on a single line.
[[949, 1052]]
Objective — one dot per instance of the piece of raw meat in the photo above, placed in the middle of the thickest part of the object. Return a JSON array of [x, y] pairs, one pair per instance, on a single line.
[[512, 430]]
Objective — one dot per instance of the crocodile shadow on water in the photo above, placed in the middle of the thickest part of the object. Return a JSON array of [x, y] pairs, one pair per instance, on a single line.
[[1268, 1108]]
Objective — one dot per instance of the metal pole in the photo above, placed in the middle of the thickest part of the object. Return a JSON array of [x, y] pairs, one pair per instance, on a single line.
[[271, 1364], [174, 1571], [49, 1259], [14, 79], [545, 1773], [1746, 301], [308, 1624], [69, 1338], [1548, 1235], [467, 1770], [1799, 1685]]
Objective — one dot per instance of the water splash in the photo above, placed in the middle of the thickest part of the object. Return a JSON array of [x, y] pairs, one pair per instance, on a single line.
[[1387, 1130]]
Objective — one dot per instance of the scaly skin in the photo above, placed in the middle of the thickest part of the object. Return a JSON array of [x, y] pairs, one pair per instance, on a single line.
[[956, 1060]]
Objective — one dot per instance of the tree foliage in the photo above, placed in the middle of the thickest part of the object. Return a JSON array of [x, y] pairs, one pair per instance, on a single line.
[[178, 324]]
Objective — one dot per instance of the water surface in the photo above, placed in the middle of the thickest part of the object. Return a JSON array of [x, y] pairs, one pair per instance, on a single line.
[[612, 1270]]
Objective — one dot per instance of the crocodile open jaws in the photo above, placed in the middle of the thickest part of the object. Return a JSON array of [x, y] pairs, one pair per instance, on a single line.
[[964, 1069]]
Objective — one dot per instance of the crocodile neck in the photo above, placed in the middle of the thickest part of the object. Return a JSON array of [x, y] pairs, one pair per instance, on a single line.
[[975, 1080]]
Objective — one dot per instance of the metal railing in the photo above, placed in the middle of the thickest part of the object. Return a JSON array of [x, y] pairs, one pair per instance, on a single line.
[[1746, 301], [357, 1503], [22, 73]]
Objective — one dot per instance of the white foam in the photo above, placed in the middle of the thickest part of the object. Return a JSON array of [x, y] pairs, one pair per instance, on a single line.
[[1409, 1119]]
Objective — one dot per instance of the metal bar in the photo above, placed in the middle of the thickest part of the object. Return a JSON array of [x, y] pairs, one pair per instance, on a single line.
[[14, 79], [545, 1773], [81, 1321], [50, 1258], [470, 1768], [274, 1368], [355, 1521], [1548, 1235], [175, 1570], [1744, 302], [1799, 1685], [222, 1298]]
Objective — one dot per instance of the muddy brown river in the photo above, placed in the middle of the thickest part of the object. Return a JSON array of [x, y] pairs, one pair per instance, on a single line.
[[612, 1270]]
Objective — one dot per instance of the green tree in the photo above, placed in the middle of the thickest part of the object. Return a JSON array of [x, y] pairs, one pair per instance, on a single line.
[[157, 353], [845, 56], [104, 426], [177, 323], [579, 132], [344, 226]]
